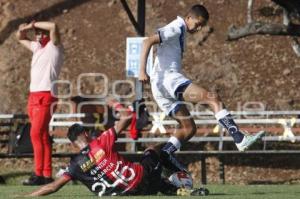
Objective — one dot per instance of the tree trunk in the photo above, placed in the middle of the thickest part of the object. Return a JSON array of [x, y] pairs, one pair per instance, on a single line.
[[263, 29]]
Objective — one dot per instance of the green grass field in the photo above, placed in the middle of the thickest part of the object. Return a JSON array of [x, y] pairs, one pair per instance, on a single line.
[[216, 191]]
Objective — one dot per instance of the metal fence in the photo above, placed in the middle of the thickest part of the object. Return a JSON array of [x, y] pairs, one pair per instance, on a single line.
[[285, 123]]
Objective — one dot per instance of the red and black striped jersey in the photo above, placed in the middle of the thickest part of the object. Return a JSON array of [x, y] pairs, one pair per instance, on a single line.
[[102, 169]]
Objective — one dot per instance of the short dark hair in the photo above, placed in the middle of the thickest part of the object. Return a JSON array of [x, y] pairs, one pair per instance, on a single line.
[[199, 11], [38, 30], [74, 131]]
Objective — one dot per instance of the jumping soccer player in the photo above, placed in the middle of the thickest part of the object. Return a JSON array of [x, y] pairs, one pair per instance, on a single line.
[[171, 89], [46, 64]]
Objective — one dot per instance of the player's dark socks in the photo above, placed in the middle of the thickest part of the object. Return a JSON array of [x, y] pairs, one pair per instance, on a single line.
[[228, 123], [169, 148], [169, 160]]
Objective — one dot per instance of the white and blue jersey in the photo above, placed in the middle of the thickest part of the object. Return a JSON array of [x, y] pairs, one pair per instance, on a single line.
[[166, 75]]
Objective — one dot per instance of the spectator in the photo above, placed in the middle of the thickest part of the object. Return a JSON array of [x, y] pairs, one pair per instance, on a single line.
[[46, 63]]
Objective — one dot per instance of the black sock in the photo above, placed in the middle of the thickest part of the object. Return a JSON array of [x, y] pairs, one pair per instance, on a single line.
[[169, 148], [169, 160], [228, 123]]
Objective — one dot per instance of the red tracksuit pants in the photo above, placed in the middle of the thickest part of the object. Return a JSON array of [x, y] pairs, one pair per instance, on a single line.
[[39, 111]]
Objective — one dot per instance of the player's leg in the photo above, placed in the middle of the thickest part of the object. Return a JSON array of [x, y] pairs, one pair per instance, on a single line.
[[186, 130], [47, 148], [46, 113], [36, 139], [196, 94], [187, 127], [151, 182], [177, 110]]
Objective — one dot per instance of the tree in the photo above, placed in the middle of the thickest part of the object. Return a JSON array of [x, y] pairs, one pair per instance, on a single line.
[[291, 13]]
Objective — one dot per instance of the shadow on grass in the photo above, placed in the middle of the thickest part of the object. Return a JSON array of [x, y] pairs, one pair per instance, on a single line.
[[221, 194], [5, 177], [267, 182]]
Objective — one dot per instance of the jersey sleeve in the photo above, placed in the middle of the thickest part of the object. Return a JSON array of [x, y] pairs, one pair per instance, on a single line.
[[107, 139], [67, 176], [70, 171], [168, 33]]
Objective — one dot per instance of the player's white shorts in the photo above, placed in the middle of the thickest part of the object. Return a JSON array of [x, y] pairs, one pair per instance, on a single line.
[[164, 85]]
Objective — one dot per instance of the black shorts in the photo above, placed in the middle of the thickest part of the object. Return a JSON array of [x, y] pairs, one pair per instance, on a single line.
[[151, 181]]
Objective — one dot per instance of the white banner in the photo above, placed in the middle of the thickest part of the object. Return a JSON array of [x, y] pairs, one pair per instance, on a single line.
[[133, 53]]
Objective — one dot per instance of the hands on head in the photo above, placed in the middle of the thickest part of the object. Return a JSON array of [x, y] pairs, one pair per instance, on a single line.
[[26, 26]]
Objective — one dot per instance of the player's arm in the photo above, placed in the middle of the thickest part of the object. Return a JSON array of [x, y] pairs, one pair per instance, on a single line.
[[147, 44], [125, 114], [52, 28], [51, 188], [21, 35]]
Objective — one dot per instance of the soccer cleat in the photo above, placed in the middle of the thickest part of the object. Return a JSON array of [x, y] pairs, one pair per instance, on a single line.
[[192, 192], [248, 140]]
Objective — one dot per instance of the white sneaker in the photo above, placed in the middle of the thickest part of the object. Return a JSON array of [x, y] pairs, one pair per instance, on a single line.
[[248, 140]]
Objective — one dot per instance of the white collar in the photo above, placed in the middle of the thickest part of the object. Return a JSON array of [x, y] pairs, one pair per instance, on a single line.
[[181, 21]]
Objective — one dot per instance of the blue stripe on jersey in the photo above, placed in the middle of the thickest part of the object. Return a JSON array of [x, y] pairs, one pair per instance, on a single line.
[[181, 39], [158, 32]]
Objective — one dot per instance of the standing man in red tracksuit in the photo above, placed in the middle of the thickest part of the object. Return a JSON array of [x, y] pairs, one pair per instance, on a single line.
[[46, 63]]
